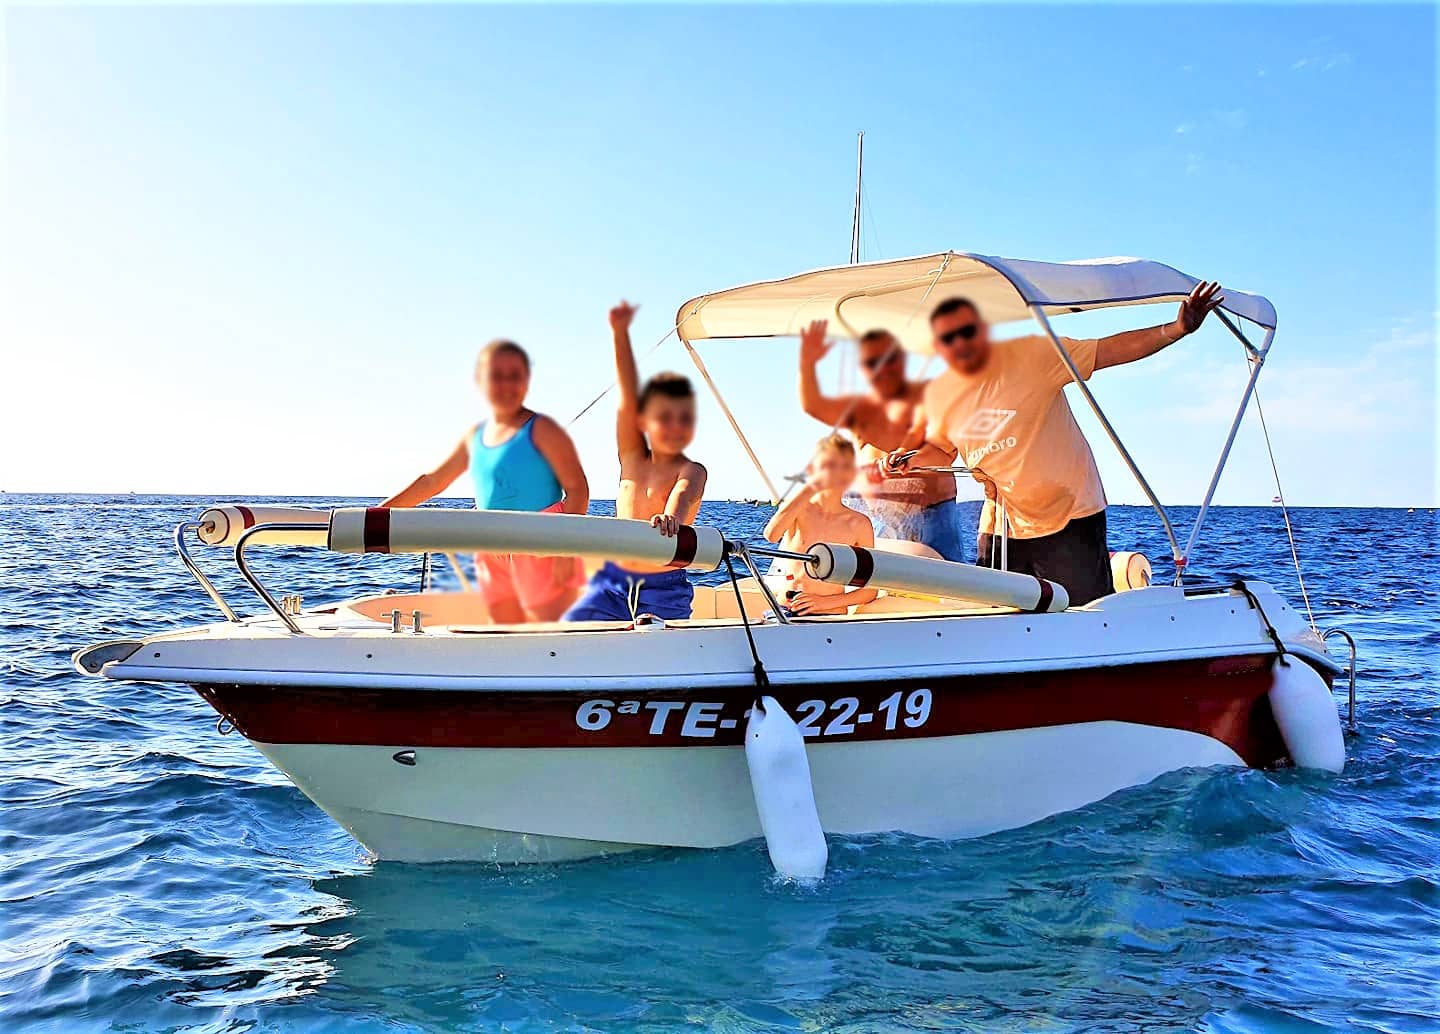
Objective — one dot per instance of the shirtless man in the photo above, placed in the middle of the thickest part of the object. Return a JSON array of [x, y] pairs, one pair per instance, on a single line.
[[918, 507], [654, 425], [817, 513]]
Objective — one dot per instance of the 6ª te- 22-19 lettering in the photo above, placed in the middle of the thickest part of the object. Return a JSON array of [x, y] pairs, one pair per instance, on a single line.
[[704, 719]]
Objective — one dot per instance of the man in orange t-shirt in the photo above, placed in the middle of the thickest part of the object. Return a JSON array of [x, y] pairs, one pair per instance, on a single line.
[[1001, 411]]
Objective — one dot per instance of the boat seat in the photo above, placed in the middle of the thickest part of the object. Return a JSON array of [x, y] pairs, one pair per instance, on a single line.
[[436, 608], [721, 602], [895, 603], [711, 602], [702, 607], [468, 608]]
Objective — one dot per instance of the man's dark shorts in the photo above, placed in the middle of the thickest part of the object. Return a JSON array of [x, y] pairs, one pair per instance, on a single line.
[[1077, 556]]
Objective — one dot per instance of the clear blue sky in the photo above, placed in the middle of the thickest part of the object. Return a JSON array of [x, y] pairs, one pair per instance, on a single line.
[[253, 251]]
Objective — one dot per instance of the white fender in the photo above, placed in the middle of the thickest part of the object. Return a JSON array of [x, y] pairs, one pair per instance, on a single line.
[[784, 798], [378, 529], [223, 525], [858, 567], [1129, 570], [1306, 713]]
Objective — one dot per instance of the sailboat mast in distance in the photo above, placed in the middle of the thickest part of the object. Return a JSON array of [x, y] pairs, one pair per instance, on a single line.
[[855, 221]]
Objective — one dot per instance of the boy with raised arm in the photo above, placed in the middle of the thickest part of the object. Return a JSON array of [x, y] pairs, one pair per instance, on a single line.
[[654, 426], [817, 513]]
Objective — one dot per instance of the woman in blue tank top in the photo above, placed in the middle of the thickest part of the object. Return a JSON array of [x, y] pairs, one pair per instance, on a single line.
[[519, 460]]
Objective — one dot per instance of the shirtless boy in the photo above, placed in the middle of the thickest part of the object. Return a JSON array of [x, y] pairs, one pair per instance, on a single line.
[[654, 426], [817, 513]]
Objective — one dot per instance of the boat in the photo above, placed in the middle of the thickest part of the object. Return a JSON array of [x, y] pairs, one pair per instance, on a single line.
[[960, 702]]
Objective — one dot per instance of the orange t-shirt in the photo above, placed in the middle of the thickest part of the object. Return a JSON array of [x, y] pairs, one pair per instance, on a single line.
[[1011, 422]]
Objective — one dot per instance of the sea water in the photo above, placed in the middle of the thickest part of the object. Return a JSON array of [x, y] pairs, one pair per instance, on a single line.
[[156, 875]]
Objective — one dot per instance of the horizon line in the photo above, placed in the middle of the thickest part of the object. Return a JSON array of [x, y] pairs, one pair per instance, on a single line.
[[251, 496]]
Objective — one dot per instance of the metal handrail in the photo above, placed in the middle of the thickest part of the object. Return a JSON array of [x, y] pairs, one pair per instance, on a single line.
[[744, 553], [740, 549], [260, 590], [1325, 638], [193, 568], [773, 552]]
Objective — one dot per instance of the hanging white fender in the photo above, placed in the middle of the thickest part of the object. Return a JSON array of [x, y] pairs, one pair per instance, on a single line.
[[1307, 716], [784, 797], [858, 567]]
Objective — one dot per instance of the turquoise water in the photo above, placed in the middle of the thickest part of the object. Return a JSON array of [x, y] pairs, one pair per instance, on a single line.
[[158, 876]]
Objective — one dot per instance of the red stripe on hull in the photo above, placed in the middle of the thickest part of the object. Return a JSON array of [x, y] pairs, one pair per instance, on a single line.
[[1224, 699]]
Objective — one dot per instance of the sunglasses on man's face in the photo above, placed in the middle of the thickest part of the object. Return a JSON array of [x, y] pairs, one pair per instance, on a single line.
[[874, 362], [966, 333]]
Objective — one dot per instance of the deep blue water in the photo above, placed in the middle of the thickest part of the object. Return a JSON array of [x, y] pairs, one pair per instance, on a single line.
[[155, 875]]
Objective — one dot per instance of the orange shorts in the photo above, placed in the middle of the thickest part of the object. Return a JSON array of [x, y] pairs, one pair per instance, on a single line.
[[533, 580]]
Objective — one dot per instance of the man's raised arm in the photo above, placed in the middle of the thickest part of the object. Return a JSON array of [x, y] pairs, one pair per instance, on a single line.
[[828, 409], [1130, 345]]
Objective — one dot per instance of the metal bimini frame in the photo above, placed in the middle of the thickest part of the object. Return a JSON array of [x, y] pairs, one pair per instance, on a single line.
[[1257, 356], [1180, 554]]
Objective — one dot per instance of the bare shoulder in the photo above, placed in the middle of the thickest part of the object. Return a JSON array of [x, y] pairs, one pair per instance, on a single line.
[[694, 471], [547, 427], [858, 531], [868, 420], [861, 409]]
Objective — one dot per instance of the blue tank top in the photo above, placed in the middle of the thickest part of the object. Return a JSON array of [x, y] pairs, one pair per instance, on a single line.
[[512, 475]]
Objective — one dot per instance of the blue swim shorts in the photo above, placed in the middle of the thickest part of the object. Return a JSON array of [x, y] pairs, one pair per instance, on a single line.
[[611, 592]]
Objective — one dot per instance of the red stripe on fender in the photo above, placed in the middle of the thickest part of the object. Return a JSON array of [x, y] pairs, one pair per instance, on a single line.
[[1047, 596], [377, 529], [247, 515], [864, 567], [686, 544]]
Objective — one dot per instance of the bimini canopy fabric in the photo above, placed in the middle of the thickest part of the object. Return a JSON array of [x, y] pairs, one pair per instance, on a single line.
[[898, 295]]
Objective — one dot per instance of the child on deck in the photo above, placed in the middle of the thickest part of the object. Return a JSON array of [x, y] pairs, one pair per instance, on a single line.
[[658, 483], [817, 513], [519, 460]]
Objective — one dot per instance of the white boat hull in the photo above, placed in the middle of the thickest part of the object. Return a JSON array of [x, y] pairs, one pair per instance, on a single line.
[[556, 804], [558, 743]]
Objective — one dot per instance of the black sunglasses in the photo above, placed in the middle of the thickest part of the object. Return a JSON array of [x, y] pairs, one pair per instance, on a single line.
[[966, 332], [876, 361]]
